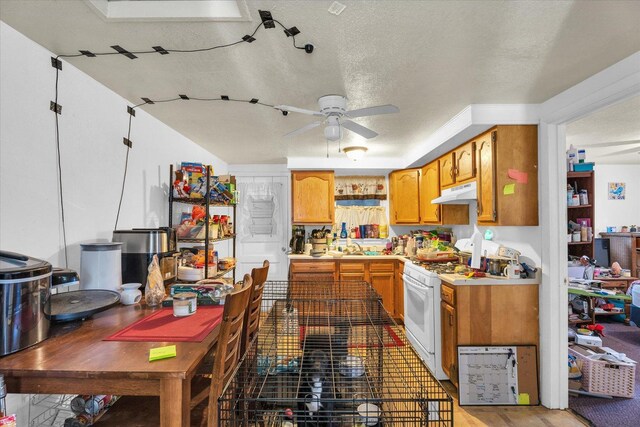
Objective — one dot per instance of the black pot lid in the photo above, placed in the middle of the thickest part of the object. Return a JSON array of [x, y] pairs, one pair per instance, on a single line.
[[75, 305], [14, 266]]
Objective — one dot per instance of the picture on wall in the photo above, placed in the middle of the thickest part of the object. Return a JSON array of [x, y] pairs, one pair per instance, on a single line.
[[616, 190]]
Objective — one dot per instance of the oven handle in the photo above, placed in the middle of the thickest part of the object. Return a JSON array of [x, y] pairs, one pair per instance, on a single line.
[[415, 284]]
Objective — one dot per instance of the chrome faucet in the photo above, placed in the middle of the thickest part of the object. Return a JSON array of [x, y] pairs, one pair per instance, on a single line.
[[359, 251]]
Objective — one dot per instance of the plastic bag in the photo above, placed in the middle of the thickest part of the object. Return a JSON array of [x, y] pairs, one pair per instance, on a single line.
[[154, 290]]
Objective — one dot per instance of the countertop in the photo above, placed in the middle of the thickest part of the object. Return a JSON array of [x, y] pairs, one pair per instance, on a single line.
[[458, 279], [348, 257]]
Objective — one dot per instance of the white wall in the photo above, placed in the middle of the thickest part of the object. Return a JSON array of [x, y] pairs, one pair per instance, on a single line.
[[93, 122], [617, 212]]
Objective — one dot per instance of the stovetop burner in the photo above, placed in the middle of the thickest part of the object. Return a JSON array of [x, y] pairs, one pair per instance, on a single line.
[[437, 267]]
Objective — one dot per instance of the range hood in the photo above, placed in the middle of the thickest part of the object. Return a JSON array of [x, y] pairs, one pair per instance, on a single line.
[[459, 195]]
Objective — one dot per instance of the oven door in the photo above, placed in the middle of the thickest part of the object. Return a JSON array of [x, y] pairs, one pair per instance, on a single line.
[[418, 316]]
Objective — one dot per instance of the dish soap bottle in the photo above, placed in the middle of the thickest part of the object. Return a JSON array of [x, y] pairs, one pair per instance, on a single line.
[[343, 232]]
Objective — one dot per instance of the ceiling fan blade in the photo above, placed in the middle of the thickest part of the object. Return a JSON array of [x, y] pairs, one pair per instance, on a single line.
[[616, 153], [304, 129], [372, 111], [298, 110], [359, 129], [614, 143]]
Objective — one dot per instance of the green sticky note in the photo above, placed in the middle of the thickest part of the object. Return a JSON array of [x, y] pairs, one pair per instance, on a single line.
[[159, 353], [523, 399], [509, 189]]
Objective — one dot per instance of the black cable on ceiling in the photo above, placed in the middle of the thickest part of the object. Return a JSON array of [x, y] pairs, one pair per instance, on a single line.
[[246, 39]]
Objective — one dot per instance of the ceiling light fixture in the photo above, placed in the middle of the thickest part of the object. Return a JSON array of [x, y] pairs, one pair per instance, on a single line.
[[355, 152], [332, 132]]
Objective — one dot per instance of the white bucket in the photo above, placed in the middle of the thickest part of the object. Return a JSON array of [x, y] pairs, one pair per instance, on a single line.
[[100, 266]]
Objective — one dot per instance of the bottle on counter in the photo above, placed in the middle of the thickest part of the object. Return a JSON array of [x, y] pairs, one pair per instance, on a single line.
[[572, 157], [343, 232]]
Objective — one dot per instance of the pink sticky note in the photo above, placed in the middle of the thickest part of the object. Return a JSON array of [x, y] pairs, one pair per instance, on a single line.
[[520, 177]]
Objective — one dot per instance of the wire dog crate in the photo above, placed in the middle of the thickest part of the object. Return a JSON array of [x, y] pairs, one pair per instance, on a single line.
[[328, 354]]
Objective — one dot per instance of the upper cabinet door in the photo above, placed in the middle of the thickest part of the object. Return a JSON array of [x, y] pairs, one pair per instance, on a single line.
[[447, 170], [429, 190], [405, 200], [486, 178], [312, 194], [465, 162]]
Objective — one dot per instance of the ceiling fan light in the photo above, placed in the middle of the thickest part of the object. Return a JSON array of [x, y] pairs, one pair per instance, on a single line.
[[355, 153], [332, 133]]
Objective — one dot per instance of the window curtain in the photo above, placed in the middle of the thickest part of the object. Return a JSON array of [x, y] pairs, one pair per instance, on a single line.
[[359, 215], [360, 188]]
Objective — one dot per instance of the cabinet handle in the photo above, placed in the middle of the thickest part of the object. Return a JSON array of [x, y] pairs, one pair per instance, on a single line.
[[437, 214], [450, 319]]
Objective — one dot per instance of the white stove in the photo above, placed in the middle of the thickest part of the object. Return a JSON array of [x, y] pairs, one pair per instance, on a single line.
[[422, 315]]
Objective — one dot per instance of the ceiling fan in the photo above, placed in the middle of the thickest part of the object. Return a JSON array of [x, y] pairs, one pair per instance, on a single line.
[[333, 109]]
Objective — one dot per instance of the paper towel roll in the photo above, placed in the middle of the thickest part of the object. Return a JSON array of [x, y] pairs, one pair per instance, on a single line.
[[476, 247]]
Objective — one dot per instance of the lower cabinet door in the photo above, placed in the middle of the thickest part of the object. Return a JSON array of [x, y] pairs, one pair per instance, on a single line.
[[449, 342], [383, 283]]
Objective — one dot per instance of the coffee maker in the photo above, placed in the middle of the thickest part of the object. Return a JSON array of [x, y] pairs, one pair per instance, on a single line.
[[297, 240], [138, 247]]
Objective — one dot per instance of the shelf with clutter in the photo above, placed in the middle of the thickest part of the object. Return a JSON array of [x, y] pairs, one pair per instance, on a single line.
[[196, 194]]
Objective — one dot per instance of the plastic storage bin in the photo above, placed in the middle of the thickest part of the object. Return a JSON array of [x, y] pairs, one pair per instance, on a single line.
[[605, 377], [583, 167]]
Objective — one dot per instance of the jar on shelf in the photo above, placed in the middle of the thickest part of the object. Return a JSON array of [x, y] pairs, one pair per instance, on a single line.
[[584, 197]]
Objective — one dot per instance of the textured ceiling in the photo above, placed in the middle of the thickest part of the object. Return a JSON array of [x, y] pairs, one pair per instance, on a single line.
[[611, 135], [430, 58]]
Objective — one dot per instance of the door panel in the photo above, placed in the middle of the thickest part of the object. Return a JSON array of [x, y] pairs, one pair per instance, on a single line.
[[465, 162], [405, 196], [449, 341], [261, 226], [447, 171], [486, 180], [429, 190], [383, 284]]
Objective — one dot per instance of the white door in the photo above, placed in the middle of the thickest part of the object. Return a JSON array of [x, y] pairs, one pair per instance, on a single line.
[[261, 226]]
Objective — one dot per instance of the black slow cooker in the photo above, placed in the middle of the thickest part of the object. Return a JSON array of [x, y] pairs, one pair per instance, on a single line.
[[25, 284]]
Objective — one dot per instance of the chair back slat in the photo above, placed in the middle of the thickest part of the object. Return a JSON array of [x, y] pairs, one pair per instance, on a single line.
[[252, 314]]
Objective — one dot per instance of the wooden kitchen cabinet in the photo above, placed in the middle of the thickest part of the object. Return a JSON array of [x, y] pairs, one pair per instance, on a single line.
[[436, 214], [449, 341], [382, 279], [458, 166], [398, 294], [312, 271], [312, 197], [447, 170], [464, 162], [478, 315], [486, 177], [404, 195], [429, 190], [353, 271], [380, 274], [507, 158]]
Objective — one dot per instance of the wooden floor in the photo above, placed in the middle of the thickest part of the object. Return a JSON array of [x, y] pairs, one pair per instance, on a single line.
[[509, 416]]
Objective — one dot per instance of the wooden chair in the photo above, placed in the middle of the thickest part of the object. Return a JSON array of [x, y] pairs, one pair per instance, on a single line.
[[252, 314], [136, 410], [227, 350]]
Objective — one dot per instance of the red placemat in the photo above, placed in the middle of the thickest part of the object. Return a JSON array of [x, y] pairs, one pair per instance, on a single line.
[[164, 326]]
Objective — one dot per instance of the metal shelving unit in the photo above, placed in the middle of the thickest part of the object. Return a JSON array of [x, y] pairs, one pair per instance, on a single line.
[[208, 204]]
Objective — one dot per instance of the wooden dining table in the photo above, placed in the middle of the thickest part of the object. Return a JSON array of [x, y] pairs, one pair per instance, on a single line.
[[75, 359]]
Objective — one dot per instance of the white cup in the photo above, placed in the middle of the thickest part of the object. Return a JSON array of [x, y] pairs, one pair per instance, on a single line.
[[130, 293]]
